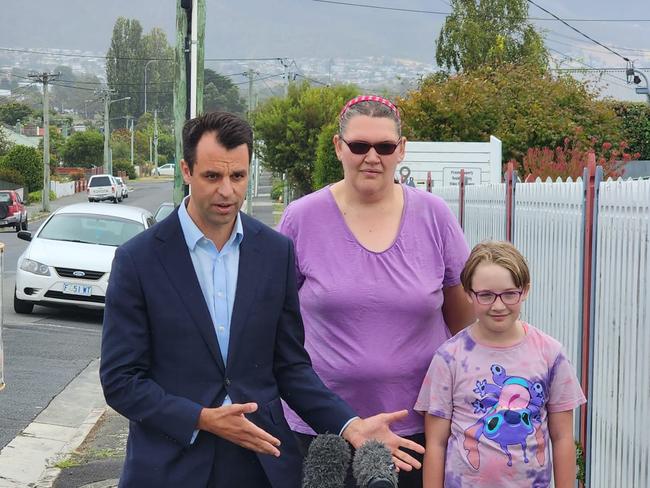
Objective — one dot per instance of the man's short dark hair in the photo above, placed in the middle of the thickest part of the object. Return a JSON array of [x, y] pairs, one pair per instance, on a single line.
[[231, 132]]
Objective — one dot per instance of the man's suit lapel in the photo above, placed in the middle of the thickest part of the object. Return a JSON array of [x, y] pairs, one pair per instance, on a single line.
[[175, 259], [248, 277]]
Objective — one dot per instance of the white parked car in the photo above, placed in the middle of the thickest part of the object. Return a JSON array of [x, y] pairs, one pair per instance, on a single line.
[[123, 187], [68, 260], [165, 170], [103, 187]]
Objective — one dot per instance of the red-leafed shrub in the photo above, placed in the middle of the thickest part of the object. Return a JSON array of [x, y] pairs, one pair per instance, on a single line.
[[570, 159]]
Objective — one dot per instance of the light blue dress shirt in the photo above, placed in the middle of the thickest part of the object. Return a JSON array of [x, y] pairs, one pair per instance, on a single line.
[[217, 274]]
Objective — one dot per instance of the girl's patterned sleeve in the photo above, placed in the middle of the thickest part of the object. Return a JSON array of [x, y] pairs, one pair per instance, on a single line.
[[435, 396], [565, 391]]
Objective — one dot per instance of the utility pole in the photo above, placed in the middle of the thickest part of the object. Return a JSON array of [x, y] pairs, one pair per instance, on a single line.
[[45, 78], [105, 95], [129, 118], [188, 75], [252, 174], [155, 138], [287, 74]]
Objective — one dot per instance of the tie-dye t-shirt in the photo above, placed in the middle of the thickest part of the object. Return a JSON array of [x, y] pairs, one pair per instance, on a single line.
[[498, 400]]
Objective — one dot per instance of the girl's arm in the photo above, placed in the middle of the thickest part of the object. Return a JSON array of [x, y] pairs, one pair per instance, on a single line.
[[437, 431], [560, 426]]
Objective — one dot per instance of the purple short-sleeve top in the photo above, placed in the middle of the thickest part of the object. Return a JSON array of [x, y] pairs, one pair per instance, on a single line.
[[373, 320]]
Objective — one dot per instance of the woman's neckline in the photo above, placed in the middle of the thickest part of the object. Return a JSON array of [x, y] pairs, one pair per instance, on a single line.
[[353, 237]]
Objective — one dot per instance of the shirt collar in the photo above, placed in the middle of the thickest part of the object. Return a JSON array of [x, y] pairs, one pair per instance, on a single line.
[[193, 234]]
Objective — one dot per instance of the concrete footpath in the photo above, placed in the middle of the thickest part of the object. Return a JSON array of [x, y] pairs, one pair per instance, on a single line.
[[78, 441]]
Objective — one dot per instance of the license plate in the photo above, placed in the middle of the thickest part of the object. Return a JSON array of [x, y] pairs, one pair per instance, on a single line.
[[75, 289]]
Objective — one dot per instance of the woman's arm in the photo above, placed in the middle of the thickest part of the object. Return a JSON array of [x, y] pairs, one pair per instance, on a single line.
[[560, 427], [456, 309], [437, 431]]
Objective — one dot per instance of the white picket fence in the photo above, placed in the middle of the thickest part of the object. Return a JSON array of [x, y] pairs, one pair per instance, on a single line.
[[62, 189], [548, 227], [484, 217], [620, 392], [548, 231]]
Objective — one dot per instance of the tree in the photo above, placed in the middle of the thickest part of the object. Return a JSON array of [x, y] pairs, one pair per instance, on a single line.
[[327, 168], [84, 149], [12, 112], [489, 32], [219, 93], [125, 66], [635, 118], [160, 73], [5, 143], [289, 129], [520, 105], [126, 60], [27, 161]]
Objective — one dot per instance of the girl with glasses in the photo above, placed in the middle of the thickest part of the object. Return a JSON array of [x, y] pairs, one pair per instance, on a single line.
[[498, 392], [378, 266]]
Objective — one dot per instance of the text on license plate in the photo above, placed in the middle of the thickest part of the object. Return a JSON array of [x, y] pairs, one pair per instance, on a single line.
[[76, 289]]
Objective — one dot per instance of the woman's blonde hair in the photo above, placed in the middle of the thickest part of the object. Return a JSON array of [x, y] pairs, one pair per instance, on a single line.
[[501, 253]]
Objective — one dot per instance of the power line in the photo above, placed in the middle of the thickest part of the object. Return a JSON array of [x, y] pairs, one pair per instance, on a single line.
[[379, 7], [578, 31], [435, 12], [620, 48], [593, 68], [124, 58], [311, 80]]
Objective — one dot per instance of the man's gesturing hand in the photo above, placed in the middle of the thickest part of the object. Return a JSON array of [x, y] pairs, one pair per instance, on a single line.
[[230, 423], [378, 428]]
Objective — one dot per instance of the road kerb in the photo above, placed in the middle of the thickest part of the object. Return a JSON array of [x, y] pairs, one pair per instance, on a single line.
[[51, 473]]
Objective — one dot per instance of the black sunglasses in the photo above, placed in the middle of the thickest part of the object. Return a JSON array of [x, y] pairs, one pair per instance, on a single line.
[[382, 148]]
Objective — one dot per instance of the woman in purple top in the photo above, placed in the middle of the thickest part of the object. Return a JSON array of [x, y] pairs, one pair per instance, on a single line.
[[378, 267]]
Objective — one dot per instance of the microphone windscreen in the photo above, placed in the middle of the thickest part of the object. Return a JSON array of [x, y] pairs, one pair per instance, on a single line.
[[327, 461], [373, 466]]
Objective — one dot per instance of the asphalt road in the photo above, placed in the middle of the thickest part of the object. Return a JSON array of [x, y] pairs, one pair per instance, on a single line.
[[44, 351]]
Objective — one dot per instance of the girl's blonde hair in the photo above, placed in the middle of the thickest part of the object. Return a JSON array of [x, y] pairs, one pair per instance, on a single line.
[[501, 253]]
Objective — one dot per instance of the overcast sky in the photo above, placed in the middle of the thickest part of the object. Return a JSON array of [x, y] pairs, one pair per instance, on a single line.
[[306, 28]]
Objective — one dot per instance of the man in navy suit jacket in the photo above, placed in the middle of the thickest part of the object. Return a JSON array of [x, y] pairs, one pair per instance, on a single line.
[[203, 336]]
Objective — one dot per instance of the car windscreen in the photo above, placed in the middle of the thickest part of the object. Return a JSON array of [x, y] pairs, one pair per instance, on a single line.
[[163, 212], [90, 229], [5, 198], [100, 181]]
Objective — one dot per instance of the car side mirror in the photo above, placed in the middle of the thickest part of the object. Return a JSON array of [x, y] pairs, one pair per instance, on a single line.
[[25, 235]]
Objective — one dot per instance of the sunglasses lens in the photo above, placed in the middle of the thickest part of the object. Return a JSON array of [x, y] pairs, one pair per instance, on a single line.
[[385, 148], [359, 147], [382, 148]]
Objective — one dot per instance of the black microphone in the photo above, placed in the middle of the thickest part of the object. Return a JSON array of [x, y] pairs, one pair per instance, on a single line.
[[373, 466], [327, 461]]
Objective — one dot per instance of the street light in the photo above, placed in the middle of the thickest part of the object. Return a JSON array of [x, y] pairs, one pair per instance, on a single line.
[[108, 163], [145, 82]]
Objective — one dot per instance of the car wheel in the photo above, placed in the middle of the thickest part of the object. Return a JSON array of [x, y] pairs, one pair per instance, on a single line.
[[25, 224], [22, 306]]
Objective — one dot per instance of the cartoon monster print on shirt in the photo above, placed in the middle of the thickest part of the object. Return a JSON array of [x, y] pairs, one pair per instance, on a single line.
[[512, 412]]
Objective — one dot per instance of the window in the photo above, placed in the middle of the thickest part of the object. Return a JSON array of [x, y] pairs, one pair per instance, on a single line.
[[100, 181]]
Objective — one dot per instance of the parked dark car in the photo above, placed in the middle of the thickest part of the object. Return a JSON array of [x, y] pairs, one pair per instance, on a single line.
[[13, 212]]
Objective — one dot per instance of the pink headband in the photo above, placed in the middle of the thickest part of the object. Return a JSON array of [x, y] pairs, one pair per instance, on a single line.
[[369, 98]]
